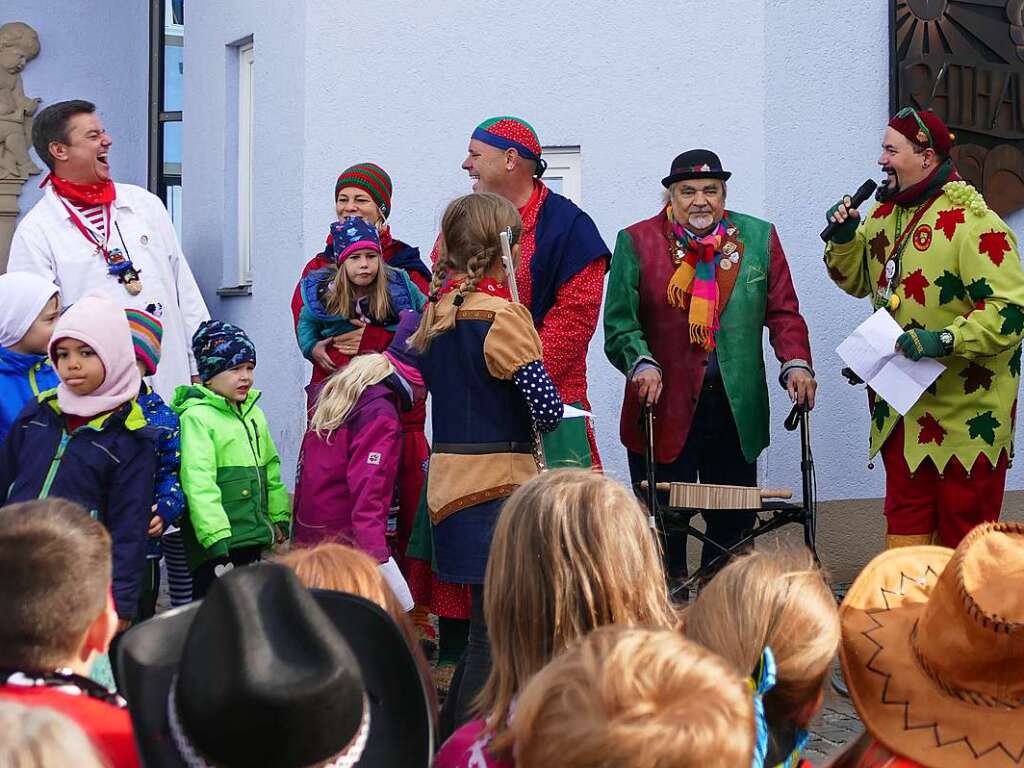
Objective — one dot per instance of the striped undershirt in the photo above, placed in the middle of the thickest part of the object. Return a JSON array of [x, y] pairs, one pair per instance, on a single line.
[[94, 214]]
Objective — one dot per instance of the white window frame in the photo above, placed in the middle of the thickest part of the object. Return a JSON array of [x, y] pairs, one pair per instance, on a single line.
[[564, 162], [246, 100], [171, 29]]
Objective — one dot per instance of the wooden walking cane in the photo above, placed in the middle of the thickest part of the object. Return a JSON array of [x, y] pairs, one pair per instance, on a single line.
[[506, 259]]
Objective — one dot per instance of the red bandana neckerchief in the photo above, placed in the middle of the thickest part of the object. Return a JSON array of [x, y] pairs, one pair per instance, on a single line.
[[98, 193], [486, 285], [86, 196]]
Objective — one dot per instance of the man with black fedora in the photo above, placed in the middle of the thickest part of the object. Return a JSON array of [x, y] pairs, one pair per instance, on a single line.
[[264, 672], [689, 293]]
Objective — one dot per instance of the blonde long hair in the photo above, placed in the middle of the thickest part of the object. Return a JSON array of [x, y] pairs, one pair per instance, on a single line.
[[344, 388], [341, 295], [635, 698], [777, 599], [572, 551], [469, 244]]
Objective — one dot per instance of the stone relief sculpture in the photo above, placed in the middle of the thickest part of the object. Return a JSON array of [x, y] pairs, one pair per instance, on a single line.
[[19, 44]]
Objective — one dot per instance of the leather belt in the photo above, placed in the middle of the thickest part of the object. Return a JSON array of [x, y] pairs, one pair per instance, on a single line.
[[478, 449]]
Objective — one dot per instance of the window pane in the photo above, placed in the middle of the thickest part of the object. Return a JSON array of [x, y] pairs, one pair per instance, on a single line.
[[172, 149], [174, 38], [172, 199], [170, 172], [554, 183]]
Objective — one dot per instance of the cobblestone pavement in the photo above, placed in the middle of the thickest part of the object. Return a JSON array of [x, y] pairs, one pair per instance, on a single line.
[[836, 726]]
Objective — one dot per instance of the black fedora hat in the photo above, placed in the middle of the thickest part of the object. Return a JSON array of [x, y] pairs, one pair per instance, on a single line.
[[265, 672], [695, 164]]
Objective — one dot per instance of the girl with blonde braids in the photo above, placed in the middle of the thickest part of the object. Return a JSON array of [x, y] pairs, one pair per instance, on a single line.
[[351, 454], [481, 361]]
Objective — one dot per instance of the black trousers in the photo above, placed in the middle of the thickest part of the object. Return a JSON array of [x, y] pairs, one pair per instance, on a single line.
[[472, 671], [711, 454], [204, 576], [150, 589]]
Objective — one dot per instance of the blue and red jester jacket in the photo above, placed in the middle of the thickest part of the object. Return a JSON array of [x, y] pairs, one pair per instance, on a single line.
[[107, 465], [168, 496]]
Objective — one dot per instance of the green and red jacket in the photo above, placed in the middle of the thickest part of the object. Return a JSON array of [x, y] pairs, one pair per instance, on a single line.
[[231, 475], [960, 271], [639, 324]]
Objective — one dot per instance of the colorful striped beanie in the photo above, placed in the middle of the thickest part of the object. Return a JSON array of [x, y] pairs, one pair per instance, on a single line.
[[147, 334], [370, 178], [508, 132]]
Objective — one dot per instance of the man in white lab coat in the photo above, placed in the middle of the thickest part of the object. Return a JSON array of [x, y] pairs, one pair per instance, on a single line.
[[89, 234]]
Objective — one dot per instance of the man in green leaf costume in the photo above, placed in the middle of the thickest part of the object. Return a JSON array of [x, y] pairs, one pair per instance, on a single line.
[[947, 269]]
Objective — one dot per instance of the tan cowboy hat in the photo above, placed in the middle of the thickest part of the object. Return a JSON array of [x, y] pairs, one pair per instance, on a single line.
[[933, 650]]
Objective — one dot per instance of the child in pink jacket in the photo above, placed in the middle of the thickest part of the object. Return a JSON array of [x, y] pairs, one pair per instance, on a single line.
[[351, 453]]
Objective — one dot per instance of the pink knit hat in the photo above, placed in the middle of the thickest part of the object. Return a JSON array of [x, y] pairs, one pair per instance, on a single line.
[[99, 322]]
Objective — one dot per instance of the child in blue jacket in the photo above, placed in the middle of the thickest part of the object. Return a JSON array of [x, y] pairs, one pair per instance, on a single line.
[[29, 308], [88, 441], [168, 496]]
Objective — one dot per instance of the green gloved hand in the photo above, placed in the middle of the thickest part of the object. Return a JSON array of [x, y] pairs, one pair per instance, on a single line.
[[845, 232], [920, 343]]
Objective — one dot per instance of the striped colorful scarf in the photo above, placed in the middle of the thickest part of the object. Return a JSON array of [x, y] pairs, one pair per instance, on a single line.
[[694, 284]]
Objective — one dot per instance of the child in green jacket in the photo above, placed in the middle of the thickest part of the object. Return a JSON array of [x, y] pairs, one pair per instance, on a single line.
[[230, 470]]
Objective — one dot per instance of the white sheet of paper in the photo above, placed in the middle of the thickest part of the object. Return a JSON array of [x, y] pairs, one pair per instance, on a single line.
[[572, 412], [870, 352]]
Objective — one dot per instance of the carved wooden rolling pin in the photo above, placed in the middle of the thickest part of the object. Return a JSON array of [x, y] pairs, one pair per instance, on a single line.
[[708, 496]]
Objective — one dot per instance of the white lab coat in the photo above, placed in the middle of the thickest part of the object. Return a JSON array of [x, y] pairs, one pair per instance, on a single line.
[[48, 243]]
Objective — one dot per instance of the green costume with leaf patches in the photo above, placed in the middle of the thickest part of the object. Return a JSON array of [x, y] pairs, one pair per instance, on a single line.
[[959, 271]]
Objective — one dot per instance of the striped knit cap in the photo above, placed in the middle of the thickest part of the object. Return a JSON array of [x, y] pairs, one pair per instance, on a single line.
[[371, 178], [147, 333]]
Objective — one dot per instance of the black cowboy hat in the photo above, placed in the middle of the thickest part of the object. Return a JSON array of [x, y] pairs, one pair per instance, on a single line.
[[695, 164], [264, 672]]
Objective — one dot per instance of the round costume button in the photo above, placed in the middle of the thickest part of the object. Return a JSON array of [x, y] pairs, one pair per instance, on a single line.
[[725, 264], [144, 239]]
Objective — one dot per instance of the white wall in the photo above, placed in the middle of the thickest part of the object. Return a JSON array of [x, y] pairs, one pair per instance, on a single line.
[[98, 52], [209, 164], [793, 101]]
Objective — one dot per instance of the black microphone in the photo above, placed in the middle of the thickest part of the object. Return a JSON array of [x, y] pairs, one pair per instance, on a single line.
[[863, 193]]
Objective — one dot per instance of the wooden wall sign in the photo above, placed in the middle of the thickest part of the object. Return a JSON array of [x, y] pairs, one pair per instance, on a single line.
[[964, 59]]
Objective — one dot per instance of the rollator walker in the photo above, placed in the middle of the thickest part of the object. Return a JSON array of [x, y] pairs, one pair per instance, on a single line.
[[672, 506]]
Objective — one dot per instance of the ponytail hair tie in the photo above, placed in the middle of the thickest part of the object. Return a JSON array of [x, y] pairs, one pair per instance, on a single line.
[[760, 682]]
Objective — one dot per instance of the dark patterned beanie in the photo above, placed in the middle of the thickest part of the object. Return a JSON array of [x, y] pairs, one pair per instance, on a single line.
[[219, 346]]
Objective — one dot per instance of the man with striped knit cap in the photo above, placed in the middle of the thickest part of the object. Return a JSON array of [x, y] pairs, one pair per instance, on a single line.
[[560, 273], [168, 498]]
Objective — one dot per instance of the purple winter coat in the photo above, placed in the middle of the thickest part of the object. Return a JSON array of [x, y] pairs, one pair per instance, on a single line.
[[348, 478]]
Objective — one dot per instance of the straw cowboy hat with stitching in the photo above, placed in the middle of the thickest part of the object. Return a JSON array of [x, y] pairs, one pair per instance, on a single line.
[[933, 650]]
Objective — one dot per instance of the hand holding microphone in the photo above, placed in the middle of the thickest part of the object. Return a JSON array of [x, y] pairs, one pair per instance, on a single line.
[[843, 217]]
